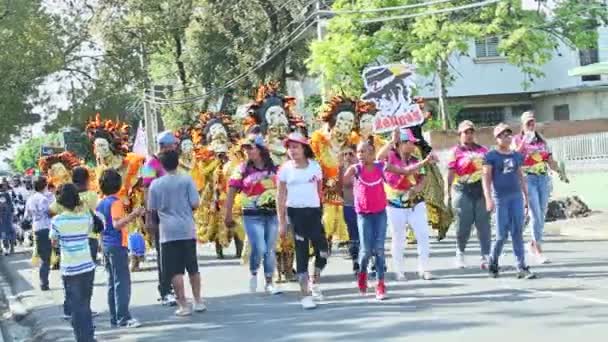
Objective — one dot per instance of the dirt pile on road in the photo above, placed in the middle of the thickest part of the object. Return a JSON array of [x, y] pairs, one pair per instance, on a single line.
[[565, 208]]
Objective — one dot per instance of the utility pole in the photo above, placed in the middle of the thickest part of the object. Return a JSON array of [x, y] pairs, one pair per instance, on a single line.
[[150, 117], [320, 38]]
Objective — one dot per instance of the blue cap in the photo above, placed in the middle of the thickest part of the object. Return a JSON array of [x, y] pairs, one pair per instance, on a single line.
[[254, 139], [166, 138]]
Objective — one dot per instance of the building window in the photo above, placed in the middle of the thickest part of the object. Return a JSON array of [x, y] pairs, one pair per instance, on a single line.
[[561, 113], [587, 57], [487, 47], [487, 116]]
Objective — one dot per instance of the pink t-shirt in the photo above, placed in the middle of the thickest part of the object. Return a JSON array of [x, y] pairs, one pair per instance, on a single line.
[[467, 162], [368, 189], [151, 170], [536, 154]]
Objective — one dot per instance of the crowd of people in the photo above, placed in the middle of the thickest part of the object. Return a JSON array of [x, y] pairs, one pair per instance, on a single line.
[[382, 188]]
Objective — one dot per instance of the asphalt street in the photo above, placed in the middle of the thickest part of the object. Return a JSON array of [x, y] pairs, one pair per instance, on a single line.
[[568, 301]]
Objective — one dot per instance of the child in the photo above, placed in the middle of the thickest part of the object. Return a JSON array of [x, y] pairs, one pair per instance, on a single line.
[[114, 237], [503, 173], [71, 230], [137, 250], [348, 209]]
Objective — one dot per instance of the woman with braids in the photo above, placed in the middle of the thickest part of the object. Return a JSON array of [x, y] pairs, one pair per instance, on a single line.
[[273, 114], [218, 135], [328, 144]]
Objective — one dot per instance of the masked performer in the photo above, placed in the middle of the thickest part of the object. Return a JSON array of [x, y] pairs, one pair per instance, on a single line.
[[273, 115], [218, 136], [329, 143]]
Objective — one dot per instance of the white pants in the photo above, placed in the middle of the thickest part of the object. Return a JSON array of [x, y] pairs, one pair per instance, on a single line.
[[398, 219]]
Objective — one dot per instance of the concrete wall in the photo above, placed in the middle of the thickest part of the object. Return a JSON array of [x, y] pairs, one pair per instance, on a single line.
[[591, 104], [442, 140]]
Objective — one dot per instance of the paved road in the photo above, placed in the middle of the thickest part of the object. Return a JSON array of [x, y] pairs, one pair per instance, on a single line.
[[570, 300]]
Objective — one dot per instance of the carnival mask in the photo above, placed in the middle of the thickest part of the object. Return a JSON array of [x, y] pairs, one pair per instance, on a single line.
[[187, 146], [102, 148], [344, 124], [217, 132], [59, 174], [366, 125], [278, 125]]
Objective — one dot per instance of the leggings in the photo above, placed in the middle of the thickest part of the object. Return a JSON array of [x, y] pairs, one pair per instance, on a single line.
[[308, 229]]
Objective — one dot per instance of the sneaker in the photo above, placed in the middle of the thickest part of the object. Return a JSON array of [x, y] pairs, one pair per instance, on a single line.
[[132, 323], [381, 290], [541, 259], [183, 312], [169, 300], [493, 270], [308, 303], [253, 284], [460, 261], [400, 276], [199, 306], [425, 275], [316, 291], [485, 262], [67, 317], [272, 290], [362, 283], [525, 273], [45, 288]]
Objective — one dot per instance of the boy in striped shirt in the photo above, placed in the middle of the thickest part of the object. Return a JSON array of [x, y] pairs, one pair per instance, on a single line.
[[71, 230]]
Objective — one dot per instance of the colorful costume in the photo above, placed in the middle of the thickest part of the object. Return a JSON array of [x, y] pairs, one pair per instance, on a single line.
[[218, 134], [111, 146], [274, 114], [340, 118]]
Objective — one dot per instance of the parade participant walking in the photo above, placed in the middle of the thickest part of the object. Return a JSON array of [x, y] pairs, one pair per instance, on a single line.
[[506, 191], [464, 181], [114, 237], [71, 229], [152, 170], [7, 231], [405, 202], [256, 180], [537, 162], [37, 209], [172, 200], [299, 198], [350, 215], [370, 205]]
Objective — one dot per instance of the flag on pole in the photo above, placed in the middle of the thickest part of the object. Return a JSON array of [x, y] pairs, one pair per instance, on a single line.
[[140, 146]]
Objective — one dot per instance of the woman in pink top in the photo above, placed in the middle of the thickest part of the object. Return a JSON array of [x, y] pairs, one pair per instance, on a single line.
[[367, 177]]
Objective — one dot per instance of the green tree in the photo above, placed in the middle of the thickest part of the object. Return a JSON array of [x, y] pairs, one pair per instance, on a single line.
[[528, 38], [28, 153]]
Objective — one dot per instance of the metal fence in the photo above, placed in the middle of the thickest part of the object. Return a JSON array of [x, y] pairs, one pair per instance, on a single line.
[[586, 152]]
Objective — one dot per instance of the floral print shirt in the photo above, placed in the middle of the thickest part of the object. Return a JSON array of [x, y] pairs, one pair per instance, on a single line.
[[258, 189], [536, 154], [467, 163]]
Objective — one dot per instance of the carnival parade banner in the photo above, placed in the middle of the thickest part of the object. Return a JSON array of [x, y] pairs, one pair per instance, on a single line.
[[389, 87]]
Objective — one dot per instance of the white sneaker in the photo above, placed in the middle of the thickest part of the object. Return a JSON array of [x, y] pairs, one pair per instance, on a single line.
[[460, 261], [308, 303], [169, 300], [400, 276], [316, 291], [133, 323], [272, 290], [485, 262], [425, 275], [253, 284], [183, 312], [541, 259], [199, 306]]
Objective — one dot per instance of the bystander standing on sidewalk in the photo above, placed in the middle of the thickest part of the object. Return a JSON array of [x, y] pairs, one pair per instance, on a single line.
[[172, 200]]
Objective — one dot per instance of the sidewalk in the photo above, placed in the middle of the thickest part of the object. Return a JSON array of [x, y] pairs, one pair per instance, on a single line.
[[593, 226]]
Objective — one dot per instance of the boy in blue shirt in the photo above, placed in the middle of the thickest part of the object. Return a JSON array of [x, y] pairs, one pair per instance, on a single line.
[[502, 172], [137, 250]]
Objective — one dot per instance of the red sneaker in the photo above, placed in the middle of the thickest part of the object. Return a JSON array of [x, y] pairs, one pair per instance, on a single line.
[[381, 290], [362, 283]]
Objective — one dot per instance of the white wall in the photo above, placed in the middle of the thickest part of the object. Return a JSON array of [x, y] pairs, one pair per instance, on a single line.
[[582, 105]]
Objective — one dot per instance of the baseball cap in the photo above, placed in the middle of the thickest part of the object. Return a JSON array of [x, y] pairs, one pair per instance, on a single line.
[[465, 125], [500, 128], [296, 137], [166, 138], [254, 139], [407, 135], [527, 117]]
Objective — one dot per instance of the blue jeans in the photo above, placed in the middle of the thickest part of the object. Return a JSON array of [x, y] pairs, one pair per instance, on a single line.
[[119, 284], [538, 193], [79, 288], [44, 248], [350, 217], [262, 232], [372, 231], [510, 220]]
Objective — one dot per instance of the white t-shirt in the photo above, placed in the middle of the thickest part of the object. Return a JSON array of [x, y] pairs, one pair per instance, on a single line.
[[302, 184]]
